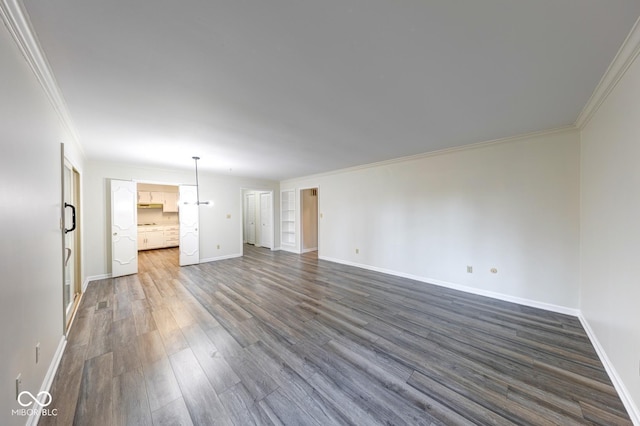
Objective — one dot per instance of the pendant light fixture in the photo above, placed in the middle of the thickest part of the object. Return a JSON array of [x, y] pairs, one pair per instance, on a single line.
[[198, 202]]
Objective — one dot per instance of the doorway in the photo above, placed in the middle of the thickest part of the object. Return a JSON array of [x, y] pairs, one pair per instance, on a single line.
[[150, 216], [71, 248], [159, 217], [257, 208], [309, 219]]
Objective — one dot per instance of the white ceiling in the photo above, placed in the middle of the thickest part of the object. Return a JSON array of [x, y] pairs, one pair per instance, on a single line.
[[278, 89]]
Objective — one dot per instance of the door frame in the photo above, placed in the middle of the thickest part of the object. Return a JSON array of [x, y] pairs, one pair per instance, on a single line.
[[300, 225], [243, 191], [162, 183], [69, 310]]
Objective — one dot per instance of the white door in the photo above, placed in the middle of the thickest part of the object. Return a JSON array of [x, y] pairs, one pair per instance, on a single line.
[[124, 228], [189, 224], [266, 221], [250, 226]]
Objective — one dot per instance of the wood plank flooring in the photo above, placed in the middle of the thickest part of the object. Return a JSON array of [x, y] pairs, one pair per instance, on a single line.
[[277, 338]]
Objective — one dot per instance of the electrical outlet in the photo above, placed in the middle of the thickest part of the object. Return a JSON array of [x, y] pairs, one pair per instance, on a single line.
[[218, 246], [469, 269], [18, 385], [38, 352], [357, 251]]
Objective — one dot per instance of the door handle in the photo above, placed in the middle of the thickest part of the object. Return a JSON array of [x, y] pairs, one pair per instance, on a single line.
[[73, 217], [66, 261]]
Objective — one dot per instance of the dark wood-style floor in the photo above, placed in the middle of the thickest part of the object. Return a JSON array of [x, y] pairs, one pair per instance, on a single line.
[[278, 338]]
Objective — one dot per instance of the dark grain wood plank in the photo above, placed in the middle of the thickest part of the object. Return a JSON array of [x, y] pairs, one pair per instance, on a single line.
[[201, 400], [220, 374], [142, 316], [80, 332], [123, 340], [161, 384], [170, 331], [175, 413], [289, 412], [66, 387], [150, 348], [94, 400], [240, 406], [130, 402], [100, 342]]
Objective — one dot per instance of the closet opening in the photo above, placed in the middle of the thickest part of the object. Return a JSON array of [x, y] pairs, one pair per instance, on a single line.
[[309, 220]]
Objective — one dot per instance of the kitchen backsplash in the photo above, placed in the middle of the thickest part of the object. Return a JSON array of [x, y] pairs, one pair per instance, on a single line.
[[157, 216]]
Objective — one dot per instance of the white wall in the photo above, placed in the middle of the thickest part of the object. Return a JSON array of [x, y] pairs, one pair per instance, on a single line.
[[31, 243], [610, 230], [512, 206], [215, 228]]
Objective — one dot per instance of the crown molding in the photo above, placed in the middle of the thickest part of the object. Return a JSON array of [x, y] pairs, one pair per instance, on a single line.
[[19, 26], [624, 58], [445, 151]]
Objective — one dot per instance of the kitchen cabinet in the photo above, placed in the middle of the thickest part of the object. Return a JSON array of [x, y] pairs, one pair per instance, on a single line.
[[150, 197], [150, 237], [172, 236], [170, 202], [142, 240], [155, 239]]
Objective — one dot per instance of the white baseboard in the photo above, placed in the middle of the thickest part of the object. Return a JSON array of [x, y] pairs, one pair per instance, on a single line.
[[48, 378], [290, 249], [87, 280], [508, 298], [213, 259], [631, 407], [494, 295]]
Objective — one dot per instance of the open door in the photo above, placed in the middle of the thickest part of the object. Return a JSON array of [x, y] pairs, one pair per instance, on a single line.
[[189, 224], [124, 228], [70, 239]]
